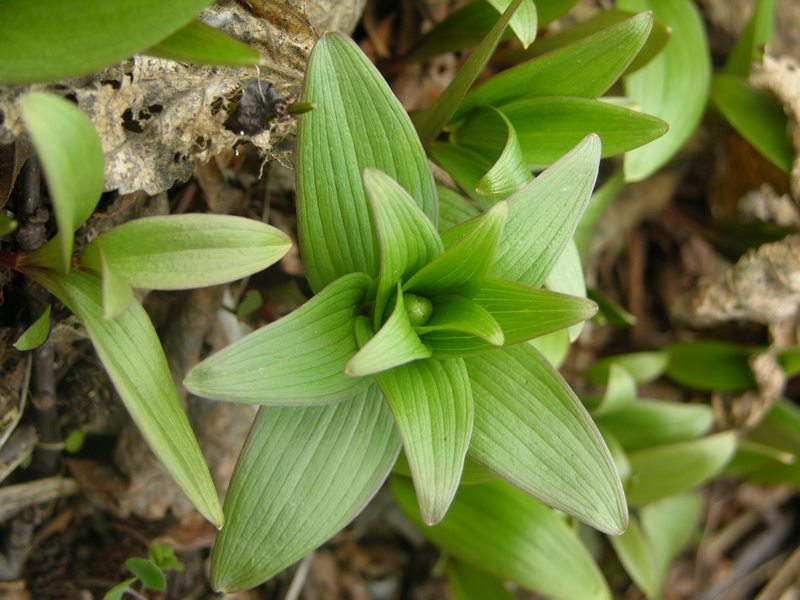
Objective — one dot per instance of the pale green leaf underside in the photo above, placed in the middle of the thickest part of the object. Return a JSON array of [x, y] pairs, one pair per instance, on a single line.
[[53, 39], [662, 471], [673, 86], [523, 313], [586, 68], [303, 474], [185, 251], [757, 116], [465, 263], [499, 529], [543, 215], [459, 314], [620, 391], [523, 22], [636, 555], [431, 402], [299, 359], [531, 429], [407, 240], [35, 335], [200, 44], [117, 293], [394, 344], [357, 123], [131, 353], [566, 277], [71, 155]]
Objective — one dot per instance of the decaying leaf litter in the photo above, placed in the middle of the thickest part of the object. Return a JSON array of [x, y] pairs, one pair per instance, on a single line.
[[657, 261]]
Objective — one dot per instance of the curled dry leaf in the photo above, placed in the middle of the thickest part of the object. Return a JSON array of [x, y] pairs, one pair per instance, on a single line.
[[763, 286], [157, 117], [781, 77]]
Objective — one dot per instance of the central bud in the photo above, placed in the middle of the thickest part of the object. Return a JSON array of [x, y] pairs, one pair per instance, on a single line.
[[419, 309]]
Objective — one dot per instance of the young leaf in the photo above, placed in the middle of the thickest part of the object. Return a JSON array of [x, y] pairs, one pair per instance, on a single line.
[[431, 122], [653, 422], [470, 583], [186, 251], [636, 555], [757, 116], [303, 474], [357, 123], [149, 574], [118, 591], [407, 240], [523, 313], [456, 313], [501, 530], [130, 351], [35, 335], [71, 156], [644, 367], [549, 127], [200, 44], [662, 471], [431, 402], [749, 47], [263, 367], [586, 68], [620, 392], [465, 263], [51, 39], [658, 38], [523, 22], [673, 86], [394, 344], [532, 431], [543, 215], [712, 366], [669, 525]]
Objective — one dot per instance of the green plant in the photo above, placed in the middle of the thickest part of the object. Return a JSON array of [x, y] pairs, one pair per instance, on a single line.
[[149, 573], [416, 335]]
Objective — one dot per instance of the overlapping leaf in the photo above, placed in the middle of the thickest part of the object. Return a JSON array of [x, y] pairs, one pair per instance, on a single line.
[[198, 43]]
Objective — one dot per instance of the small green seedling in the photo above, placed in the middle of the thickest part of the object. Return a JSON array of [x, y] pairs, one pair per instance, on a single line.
[[150, 573]]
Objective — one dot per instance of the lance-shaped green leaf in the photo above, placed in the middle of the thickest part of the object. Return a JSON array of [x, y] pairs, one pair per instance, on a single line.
[[433, 120], [186, 251], [711, 365], [35, 335], [586, 68], [673, 86], [567, 278], [523, 313], [669, 525], [501, 530], [357, 123], [749, 47], [470, 583], [200, 44], [523, 22], [485, 160], [620, 392], [654, 422], [659, 35], [117, 292], [662, 471], [455, 209], [303, 474], [636, 555], [393, 345], [466, 262], [543, 215], [548, 127], [532, 430], [51, 39], [407, 240], [131, 353], [431, 402], [456, 313], [71, 156], [757, 116], [299, 359]]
